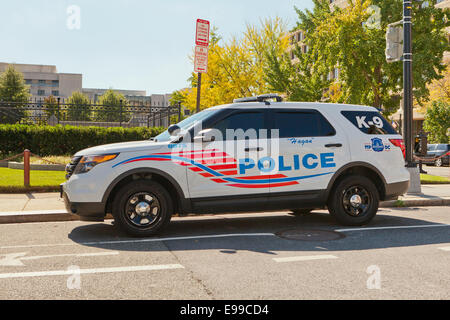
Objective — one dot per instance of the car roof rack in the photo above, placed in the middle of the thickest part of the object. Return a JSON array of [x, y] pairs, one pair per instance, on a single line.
[[260, 98]]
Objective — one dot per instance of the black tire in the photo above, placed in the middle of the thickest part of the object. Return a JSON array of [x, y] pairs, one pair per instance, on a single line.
[[348, 212], [134, 208], [300, 212]]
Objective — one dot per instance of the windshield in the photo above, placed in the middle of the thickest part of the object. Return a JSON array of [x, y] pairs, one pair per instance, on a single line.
[[441, 147], [186, 124]]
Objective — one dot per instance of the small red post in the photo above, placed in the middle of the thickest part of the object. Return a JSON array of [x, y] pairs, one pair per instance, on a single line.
[[26, 168]]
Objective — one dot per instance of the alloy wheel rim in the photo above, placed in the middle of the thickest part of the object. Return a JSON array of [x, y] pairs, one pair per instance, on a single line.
[[356, 201], [142, 209]]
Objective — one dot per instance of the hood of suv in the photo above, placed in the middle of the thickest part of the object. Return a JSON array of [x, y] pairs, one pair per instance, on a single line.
[[121, 147]]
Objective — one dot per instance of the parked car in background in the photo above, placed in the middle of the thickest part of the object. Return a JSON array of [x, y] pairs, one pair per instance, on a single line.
[[437, 154]]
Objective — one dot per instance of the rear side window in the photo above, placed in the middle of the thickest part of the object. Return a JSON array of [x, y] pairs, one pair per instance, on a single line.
[[369, 122], [304, 123]]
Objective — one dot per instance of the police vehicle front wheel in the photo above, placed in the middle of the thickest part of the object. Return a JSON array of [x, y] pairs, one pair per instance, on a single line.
[[142, 208], [354, 201]]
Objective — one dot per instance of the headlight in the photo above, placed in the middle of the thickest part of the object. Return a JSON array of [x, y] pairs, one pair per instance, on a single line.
[[88, 162]]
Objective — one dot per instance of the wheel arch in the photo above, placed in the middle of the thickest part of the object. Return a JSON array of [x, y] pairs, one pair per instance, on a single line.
[[360, 168], [181, 204]]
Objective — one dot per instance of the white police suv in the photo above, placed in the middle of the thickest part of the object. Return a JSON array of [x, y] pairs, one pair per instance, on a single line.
[[257, 154]]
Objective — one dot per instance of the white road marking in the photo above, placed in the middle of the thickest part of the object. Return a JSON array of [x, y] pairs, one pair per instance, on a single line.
[[444, 248], [93, 243], [394, 227], [142, 240], [15, 259], [90, 271], [305, 258]]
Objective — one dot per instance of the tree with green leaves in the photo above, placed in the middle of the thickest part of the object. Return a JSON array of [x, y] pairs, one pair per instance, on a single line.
[[78, 107], [14, 92], [437, 122], [353, 40], [298, 80], [111, 106]]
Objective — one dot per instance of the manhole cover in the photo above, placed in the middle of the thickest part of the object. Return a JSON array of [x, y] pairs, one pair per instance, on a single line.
[[310, 235]]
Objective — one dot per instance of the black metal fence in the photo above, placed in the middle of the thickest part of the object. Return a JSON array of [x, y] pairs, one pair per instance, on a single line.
[[92, 114]]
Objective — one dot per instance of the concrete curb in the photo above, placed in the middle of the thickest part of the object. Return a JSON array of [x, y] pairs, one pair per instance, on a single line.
[[30, 216], [416, 203], [60, 215]]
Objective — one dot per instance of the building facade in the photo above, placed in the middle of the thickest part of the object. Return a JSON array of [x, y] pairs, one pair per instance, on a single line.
[[44, 80]]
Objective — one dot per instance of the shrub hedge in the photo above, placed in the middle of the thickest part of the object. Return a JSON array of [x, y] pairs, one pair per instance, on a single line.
[[65, 140]]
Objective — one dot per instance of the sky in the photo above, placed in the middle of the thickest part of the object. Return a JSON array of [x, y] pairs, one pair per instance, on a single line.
[[133, 44]]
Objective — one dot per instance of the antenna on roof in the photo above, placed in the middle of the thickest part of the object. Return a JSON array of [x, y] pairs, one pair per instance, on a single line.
[[260, 98]]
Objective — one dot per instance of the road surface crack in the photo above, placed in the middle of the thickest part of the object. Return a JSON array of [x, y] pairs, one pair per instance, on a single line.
[[191, 274]]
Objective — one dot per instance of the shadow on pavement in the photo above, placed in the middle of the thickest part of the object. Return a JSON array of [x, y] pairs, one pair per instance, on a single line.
[[106, 236]]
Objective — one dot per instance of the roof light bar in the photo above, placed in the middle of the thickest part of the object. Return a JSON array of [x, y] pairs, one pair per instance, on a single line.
[[260, 98]]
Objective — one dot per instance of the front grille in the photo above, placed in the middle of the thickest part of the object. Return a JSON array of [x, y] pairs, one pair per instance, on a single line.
[[70, 168]]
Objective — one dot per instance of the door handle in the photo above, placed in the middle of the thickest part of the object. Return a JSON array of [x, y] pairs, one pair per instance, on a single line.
[[333, 145], [253, 149]]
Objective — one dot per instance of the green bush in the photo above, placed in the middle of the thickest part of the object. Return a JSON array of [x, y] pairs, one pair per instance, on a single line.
[[65, 140]]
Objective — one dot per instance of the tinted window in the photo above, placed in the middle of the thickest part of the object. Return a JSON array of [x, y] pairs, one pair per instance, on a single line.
[[241, 120], [307, 123], [441, 147], [369, 122]]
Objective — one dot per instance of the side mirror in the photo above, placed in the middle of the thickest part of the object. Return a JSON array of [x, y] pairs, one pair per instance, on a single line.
[[206, 135], [173, 130]]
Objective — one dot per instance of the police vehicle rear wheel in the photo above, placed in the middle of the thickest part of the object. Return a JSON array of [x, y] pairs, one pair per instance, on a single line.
[[142, 208], [354, 201]]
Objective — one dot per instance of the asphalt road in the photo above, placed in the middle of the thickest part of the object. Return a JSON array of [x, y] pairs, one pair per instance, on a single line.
[[402, 254]]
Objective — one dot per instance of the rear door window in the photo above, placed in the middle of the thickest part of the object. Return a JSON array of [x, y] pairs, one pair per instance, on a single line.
[[369, 122], [301, 123]]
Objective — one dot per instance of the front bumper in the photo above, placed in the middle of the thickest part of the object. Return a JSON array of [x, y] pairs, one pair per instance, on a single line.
[[87, 211]]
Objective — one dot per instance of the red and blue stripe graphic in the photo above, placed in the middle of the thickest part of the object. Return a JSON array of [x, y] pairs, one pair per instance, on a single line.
[[220, 168]]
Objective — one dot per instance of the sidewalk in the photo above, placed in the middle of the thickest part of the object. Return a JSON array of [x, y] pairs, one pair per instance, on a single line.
[[40, 207]]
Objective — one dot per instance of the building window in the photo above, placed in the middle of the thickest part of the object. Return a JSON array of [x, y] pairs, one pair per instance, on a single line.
[[55, 92], [41, 82], [55, 83], [41, 92], [28, 81]]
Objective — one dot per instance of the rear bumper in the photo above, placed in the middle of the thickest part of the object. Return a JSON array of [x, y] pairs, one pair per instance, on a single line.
[[87, 211], [393, 190]]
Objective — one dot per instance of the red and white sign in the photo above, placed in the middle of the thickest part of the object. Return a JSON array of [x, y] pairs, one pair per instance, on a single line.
[[201, 59], [202, 33]]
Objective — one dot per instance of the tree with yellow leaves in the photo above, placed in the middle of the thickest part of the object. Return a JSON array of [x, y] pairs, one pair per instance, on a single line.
[[236, 68]]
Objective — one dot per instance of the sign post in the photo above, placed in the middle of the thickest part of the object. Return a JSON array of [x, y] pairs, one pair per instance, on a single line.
[[201, 54]]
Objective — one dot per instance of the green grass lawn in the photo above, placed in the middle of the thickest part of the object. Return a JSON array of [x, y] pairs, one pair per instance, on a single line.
[[429, 179], [12, 179]]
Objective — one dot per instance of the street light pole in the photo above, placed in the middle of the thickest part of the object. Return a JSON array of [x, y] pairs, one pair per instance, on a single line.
[[414, 182], [407, 82]]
